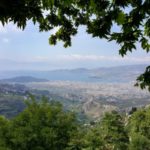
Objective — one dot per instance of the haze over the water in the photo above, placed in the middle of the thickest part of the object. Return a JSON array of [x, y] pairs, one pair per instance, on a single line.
[[29, 50]]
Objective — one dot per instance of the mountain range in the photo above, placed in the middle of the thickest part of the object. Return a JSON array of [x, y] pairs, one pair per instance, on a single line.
[[119, 74]]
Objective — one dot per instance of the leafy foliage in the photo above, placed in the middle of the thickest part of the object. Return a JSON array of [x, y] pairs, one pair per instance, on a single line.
[[139, 130], [44, 126], [98, 16], [109, 134], [41, 126], [113, 132], [3, 130], [144, 79], [93, 139]]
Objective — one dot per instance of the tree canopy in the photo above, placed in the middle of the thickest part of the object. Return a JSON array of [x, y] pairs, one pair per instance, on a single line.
[[130, 17], [41, 126], [46, 125], [138, 129]]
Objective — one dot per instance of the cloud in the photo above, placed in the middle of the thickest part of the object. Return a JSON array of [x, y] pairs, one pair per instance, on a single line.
[[68, 61], [41, 59], [10, 27], [89, 59], [77, 57], [2, 29]]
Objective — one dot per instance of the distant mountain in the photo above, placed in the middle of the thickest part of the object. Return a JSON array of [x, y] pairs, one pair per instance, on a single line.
[[120, 74], [23, 79]]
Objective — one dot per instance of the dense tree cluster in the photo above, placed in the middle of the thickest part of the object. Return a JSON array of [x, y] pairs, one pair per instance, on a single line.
[[125, 21], [45, 126], [41, 126]]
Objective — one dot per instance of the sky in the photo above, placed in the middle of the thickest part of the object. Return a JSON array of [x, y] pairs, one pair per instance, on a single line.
[[30, 50]]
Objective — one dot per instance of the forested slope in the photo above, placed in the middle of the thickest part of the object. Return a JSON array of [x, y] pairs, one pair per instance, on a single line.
[[44, 126]]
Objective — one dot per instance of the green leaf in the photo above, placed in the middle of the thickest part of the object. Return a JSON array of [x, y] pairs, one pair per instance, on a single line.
[[121, 18]]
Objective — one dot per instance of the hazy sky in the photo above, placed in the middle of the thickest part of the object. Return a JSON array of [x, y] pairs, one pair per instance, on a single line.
[[29, 50]]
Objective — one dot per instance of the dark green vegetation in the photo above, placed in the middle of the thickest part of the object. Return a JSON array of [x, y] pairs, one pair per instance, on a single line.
[[11, 105], [44, 126], [11, 99], [98, 16], [39, 127]]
